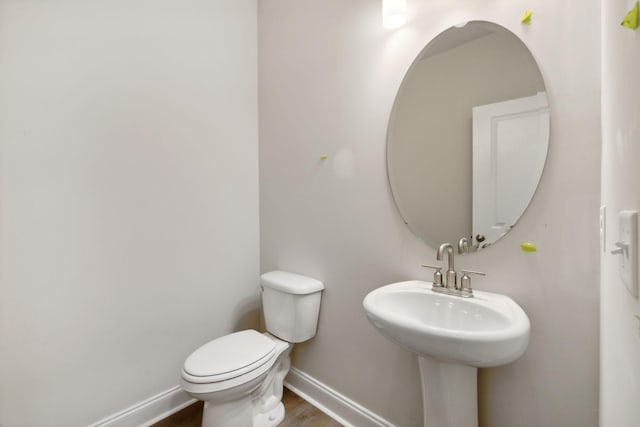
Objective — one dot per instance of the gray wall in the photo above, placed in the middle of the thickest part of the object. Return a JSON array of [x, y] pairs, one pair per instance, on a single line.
[[128, 198], [329, 73]]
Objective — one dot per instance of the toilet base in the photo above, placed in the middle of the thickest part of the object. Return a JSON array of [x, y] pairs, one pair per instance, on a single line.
[[271, 418], [254, 404]]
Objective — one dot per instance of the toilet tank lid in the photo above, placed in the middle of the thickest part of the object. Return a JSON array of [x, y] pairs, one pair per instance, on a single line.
[[291, 283]]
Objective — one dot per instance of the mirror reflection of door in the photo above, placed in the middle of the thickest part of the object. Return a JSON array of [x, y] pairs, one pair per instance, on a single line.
[[510, 142]]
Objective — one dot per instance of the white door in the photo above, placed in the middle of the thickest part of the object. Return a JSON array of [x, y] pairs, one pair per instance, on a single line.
[[510, 142]]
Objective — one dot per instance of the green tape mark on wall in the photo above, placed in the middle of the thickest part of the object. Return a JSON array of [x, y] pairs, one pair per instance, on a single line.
[[526, 18], [528, 247], [631, 18]]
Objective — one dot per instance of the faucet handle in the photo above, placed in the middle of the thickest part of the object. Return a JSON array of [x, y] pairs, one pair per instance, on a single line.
[[479, 273], [437, 275], [465, 282]]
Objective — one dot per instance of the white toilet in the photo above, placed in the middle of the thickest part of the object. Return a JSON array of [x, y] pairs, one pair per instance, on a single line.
[[239, 376]]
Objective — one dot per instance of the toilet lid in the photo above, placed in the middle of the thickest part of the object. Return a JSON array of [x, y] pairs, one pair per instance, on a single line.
[[230, 356]]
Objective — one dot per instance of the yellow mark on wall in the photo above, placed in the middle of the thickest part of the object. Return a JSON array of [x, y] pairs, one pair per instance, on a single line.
[[528, 247], [631, 18], [526, 18]]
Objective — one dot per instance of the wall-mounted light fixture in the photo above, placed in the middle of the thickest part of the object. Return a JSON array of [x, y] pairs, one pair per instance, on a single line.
[[394, 13]]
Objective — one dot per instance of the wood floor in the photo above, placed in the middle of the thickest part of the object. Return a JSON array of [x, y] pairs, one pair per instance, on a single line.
[[298, 413]]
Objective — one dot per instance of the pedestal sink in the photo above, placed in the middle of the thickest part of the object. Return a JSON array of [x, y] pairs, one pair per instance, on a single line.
[[452, 337]]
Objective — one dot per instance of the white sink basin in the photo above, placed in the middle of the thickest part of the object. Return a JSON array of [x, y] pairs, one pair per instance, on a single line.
[[487, 330]]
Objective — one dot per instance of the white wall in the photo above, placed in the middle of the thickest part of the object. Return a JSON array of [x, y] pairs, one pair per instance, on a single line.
[[620, 343], [328, 77], [128, 197]]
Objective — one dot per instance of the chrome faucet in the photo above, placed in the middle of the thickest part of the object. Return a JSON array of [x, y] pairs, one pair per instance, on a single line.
[[463, 245], [450, 286], [450, 278]]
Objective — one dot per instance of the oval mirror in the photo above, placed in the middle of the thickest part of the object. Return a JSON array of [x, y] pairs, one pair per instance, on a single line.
[[468, 136]]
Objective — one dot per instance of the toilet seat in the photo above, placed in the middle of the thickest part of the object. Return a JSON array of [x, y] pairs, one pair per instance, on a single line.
[[229, 357]]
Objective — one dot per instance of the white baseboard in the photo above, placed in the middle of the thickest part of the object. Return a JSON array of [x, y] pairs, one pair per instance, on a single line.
[[150, 411], [339, 407]]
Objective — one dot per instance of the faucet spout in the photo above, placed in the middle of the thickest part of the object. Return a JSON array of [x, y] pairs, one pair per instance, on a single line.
[[450, 279], [463, 245], [440, 254]]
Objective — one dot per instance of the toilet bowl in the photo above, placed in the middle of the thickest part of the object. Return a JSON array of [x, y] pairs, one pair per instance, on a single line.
[[240, 376]]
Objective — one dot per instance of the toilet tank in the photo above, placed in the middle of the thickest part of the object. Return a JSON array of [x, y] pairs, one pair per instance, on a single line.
[[291, 305]]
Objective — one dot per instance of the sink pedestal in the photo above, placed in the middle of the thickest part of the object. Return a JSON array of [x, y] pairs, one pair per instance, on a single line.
[[452, 338], [449, 393]]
